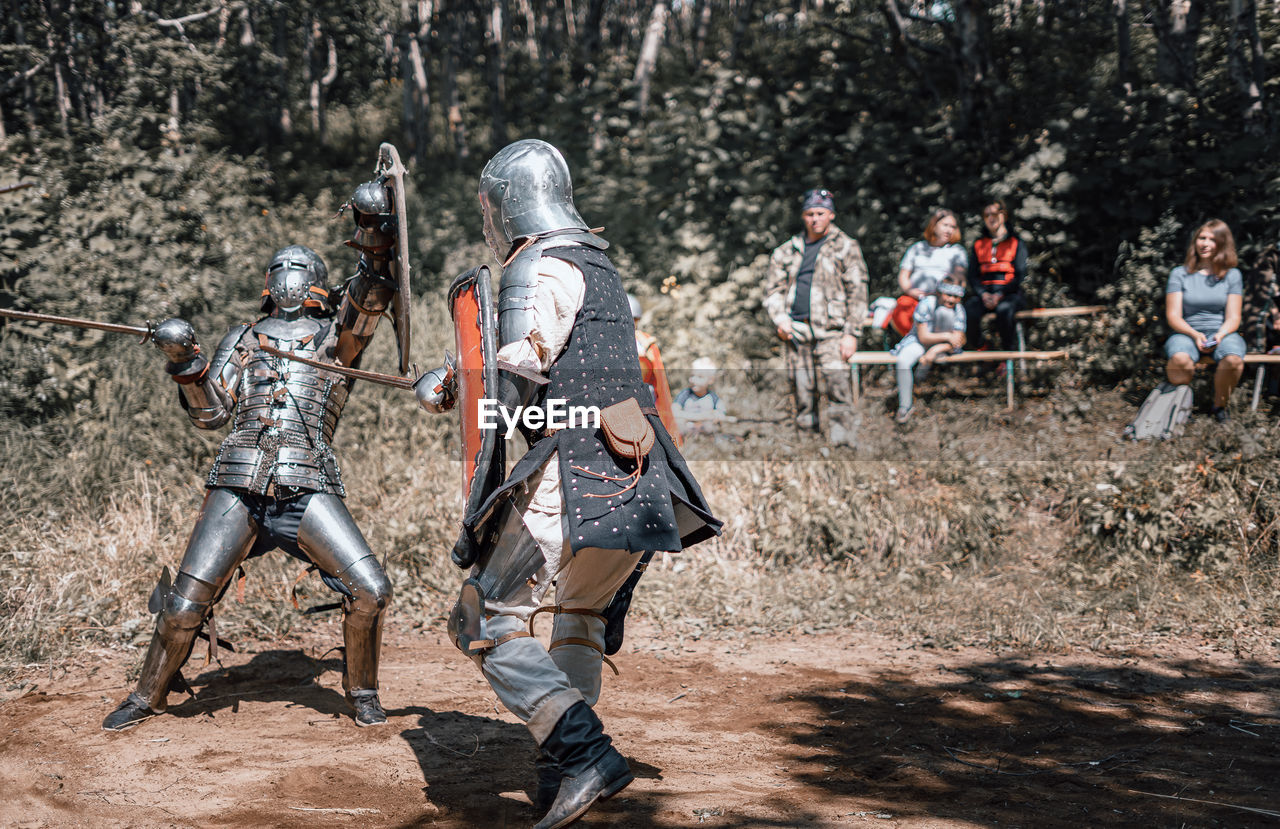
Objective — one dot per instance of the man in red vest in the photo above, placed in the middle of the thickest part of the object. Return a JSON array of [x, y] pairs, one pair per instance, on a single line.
[[653, 372], [997, 264]]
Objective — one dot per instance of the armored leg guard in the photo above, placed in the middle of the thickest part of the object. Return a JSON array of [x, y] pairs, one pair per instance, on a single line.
[[170, 646], [592, 768], [503, 571], [362, 637], [331, 538]]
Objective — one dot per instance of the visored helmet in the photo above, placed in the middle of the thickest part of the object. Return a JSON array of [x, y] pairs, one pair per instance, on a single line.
[[296, 278], [525, 190]]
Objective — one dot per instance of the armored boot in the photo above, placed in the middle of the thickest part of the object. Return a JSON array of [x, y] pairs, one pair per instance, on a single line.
[[170, 646], [593, 769], [362, 637]]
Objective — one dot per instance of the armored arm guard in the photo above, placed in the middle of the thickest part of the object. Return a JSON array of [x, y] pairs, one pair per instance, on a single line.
[[516, 322], [204, 385], [367, 294]]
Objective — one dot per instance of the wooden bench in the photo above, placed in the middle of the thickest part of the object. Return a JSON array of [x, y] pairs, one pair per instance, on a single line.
[[1045, 313], [868, 358], [1259, 360]]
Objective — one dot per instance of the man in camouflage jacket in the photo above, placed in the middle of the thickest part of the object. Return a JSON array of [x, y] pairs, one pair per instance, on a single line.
[[816, 296]]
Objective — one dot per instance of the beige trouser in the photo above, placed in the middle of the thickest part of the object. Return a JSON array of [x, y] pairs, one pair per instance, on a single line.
[[535, 684]]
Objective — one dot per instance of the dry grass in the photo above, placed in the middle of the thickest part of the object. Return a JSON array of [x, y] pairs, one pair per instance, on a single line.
[[991, 541]]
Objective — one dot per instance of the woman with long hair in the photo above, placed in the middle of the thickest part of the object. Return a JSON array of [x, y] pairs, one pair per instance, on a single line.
[[1202, 305], [926, 263]]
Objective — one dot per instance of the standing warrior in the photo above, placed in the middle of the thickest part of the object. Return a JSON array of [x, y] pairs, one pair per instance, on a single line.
[[275, 482], [580, 507]]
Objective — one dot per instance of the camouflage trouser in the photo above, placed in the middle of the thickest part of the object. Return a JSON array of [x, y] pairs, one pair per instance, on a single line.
[[814, 367]]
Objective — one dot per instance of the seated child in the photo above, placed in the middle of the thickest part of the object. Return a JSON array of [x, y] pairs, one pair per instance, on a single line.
[[938, 328], [698, 409]]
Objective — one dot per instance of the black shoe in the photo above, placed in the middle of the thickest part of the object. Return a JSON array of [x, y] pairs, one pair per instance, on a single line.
[[592, 768], [601, 781], [129, 713], [368, 708], [1220, 414], [549, 777]]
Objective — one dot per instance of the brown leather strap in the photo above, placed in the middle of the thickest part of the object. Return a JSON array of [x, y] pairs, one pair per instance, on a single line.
[[575, 640], [212, 653], [485, 644], [293, 593], [558, 609]]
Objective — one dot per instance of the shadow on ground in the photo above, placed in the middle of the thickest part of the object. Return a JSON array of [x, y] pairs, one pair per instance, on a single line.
[[1015, 743]]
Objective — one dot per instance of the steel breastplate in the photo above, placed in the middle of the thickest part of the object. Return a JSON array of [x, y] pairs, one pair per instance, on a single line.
[[286, 414]]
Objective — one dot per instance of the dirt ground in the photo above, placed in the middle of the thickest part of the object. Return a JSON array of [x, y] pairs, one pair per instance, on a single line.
[[809, 730], [805, 731]]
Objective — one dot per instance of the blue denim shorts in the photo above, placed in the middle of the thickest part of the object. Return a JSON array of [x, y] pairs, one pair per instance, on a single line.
[[1233, 343]]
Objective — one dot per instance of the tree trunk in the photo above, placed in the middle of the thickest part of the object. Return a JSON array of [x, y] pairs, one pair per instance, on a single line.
[[421, 100], [1177, 25], [309, 79], [740, 23], [280, 47], [701, 27], [973, 63], [591, 39], [1123, 49], [649, 54], [1248, 66], [454, 122], [495, 40], [530, 30], [570, 24]]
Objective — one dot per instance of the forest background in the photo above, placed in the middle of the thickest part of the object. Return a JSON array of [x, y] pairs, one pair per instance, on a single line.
[[174, 146]]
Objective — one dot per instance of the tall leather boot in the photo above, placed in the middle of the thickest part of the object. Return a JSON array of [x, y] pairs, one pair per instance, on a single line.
[[549, 777], [592, 768]]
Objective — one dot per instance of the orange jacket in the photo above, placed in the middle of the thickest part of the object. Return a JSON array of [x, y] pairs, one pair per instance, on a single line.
[[653, 373]]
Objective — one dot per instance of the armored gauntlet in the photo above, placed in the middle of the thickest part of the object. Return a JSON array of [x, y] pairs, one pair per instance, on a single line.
[[207, 403], [437, 389]]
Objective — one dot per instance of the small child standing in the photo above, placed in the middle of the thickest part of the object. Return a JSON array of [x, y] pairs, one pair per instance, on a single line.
[[698, 408], [938, 327]]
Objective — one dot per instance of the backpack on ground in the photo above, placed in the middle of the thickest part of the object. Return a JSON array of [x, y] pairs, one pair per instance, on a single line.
[[1163, 414]]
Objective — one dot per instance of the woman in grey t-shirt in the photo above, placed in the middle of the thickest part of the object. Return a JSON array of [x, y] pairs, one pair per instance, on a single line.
[[1202, 304], [926, 263]]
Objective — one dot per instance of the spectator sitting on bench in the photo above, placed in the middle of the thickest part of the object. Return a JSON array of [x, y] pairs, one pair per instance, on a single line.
[[939, 254], [1202, 305], [997, 264], [939, 326], [698, 409]]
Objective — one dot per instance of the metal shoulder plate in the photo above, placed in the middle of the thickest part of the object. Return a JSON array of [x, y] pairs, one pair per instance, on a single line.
[[519, 282], [516, 291], [227, 347]]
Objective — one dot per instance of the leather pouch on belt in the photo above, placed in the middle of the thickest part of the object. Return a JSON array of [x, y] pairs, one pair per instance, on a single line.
[[627, 432]]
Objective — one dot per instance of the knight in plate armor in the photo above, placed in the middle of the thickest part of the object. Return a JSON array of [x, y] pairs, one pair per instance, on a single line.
[[579, 509], [275, 483]]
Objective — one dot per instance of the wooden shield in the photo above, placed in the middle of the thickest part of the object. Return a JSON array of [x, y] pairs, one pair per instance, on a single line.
[[483, 450], [392, 172]]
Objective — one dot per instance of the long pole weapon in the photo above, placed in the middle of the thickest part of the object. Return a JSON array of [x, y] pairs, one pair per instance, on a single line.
[[346, 371], [145, 332]]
